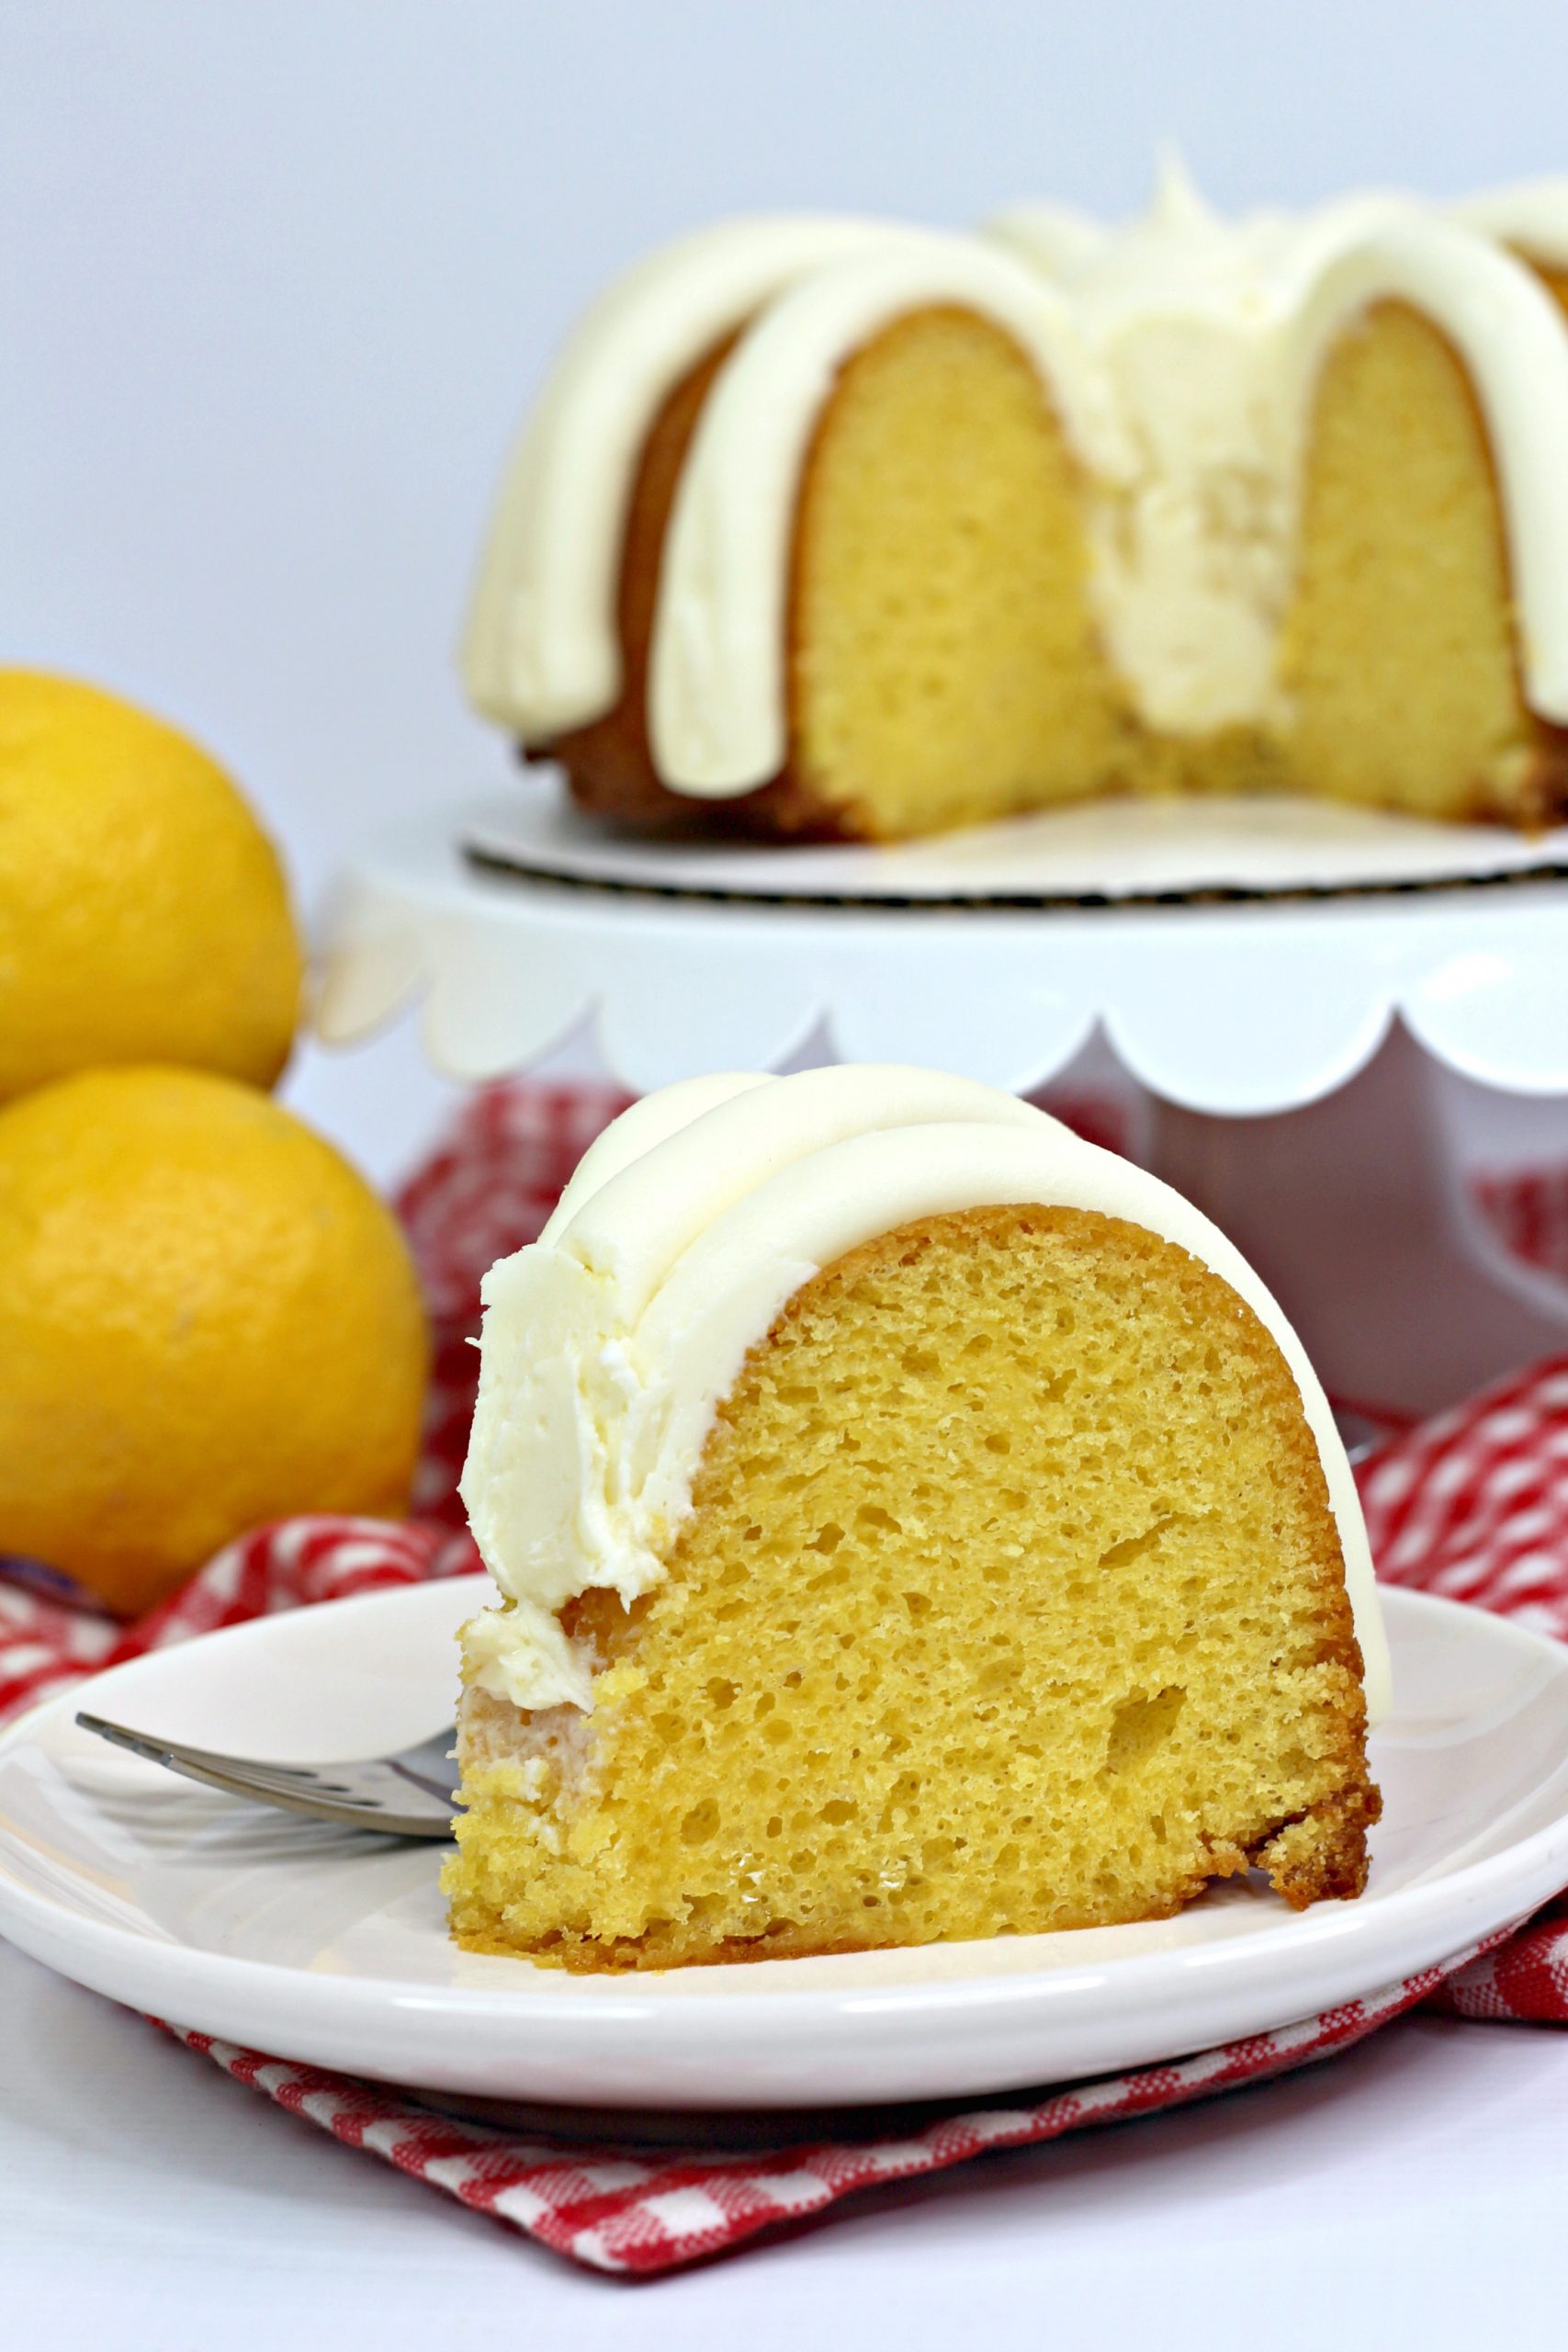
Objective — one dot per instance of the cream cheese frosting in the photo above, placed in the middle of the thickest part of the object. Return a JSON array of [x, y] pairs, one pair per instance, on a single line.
[[1207, 337], [609, 1343], [542, 651], [1531, 215], [1180, 355]]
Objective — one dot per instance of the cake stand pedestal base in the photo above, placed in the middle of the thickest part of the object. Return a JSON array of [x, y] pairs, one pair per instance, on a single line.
[[1353, 1212]]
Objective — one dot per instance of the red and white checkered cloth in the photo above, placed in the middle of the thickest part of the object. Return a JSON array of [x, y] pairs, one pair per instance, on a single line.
[[1472, 1505]]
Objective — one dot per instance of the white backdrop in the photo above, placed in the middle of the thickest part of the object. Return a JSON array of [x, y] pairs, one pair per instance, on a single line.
[[276, 281]]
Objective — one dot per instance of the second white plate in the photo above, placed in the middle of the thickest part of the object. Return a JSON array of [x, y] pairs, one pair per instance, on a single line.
[[328, 1947]]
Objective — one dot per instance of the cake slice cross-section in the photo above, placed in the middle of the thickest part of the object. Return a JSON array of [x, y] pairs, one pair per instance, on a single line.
[[910, 1523]]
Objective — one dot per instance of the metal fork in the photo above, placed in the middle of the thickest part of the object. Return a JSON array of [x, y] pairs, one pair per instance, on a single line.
[[405, 1795]]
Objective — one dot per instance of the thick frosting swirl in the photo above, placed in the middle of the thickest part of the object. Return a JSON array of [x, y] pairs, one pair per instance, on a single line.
[[609, 1343]]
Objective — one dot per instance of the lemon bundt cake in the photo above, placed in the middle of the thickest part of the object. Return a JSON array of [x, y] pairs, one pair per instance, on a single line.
[[911, 1523], [825, 527]]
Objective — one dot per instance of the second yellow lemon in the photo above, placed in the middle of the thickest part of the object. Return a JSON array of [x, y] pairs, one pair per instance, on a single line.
[[143, 913], [207, 1319]]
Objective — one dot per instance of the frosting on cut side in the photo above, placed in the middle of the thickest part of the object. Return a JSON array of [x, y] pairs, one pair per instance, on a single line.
[[1179, 355]]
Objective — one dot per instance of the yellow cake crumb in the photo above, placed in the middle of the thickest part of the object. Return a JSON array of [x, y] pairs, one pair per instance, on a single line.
[[1009, 1600]]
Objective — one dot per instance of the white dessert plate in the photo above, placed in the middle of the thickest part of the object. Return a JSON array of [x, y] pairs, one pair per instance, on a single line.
[[329, 1947], [1128, 852]]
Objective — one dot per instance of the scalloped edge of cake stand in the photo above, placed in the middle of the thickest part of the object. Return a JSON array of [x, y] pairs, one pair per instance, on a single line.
[[1237, 1010]]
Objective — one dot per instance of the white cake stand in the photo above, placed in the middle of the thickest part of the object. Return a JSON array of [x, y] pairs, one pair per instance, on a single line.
[[1286, 1041]]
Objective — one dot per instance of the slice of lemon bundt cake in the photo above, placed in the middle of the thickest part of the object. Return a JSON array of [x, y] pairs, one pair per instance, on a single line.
[[910, 1522], [835, 528]]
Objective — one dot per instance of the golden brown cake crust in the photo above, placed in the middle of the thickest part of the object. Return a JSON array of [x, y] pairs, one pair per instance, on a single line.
[[1301, 1693], [609, 763]]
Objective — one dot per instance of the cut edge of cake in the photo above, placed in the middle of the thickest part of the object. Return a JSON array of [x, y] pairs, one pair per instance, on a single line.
[[622, 1356]]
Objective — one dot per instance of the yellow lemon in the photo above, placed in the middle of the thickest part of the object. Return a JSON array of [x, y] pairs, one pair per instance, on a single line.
[[143, 913], [207, 1319]]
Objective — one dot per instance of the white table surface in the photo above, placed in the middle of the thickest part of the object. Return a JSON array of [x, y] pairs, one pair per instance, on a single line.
[[1411, 2193]]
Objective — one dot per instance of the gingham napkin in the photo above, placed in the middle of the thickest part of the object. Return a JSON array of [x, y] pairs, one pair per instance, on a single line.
[[1472, 1505]]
